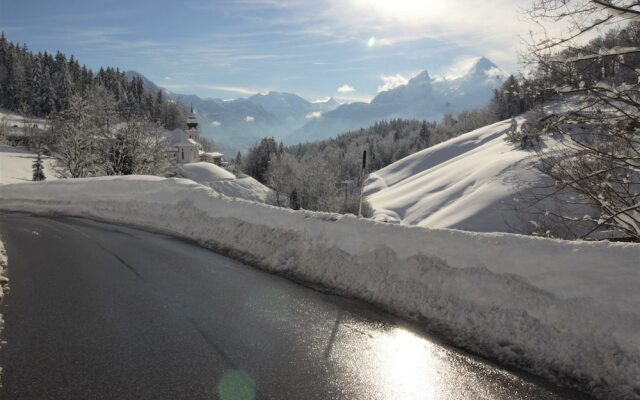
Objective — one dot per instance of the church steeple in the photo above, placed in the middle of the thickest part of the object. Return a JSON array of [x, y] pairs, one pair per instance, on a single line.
[[192, 122]]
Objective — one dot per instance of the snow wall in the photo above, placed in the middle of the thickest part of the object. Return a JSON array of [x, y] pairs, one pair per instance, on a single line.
[[567, 311]]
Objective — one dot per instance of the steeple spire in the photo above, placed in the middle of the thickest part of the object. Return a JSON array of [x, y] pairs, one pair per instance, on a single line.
[[192, 122]]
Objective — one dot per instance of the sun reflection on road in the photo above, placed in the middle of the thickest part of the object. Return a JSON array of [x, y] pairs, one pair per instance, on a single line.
[[407, 368], [399, 364]]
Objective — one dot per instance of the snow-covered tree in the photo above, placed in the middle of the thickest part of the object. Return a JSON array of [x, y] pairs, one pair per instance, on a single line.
[[597, 85], [294, 202], [77, 131], [137, 147], [282, 177], [38, 168]]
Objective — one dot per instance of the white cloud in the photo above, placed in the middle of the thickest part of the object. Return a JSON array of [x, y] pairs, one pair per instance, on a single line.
[[233, 89], [315, 114], [392, 82], [494, 72], [220, 88], [322, 99], [350, 99], [249, 118], [482, 28], [215, 123], [346, 89], [166, 78], [460, 67]]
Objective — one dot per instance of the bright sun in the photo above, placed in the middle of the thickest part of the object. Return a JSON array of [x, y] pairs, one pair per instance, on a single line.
[[371, 42]]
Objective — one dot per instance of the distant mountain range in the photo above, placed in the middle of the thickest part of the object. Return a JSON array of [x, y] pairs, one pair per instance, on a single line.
[[236, 125]]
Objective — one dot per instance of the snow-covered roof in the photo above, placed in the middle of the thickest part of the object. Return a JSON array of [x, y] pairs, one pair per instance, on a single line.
[[178, 137], [213, 154]]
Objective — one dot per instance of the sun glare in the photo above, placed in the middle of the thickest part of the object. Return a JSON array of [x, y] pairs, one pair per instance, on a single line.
[[371, 42]]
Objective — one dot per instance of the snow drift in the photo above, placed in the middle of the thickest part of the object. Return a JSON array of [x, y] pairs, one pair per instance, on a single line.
[[223, 181], [568, 311], [467, 182]]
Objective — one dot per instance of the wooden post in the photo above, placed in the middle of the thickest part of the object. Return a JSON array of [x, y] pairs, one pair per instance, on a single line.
[[364, 165]]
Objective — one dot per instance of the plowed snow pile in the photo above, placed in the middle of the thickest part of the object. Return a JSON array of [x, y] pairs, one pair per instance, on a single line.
[[564, 310], [223, 181]]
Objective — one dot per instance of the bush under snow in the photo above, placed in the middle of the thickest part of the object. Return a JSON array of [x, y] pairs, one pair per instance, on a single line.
[[564, 310]]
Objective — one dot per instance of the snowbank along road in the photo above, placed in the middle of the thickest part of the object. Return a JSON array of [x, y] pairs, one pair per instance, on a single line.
[[566, 311], [98, 311]]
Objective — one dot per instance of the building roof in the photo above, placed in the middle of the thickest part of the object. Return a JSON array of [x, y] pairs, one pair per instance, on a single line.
[[178, 137], [213, 154]]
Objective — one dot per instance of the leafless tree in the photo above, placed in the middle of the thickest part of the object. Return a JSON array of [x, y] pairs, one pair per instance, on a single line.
[[76, 131], [596, 115]]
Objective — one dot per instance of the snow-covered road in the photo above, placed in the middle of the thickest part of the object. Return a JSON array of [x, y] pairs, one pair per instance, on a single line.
[[105, 312]]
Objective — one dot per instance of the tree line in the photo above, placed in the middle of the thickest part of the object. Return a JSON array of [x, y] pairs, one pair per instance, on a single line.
[[43, 84], [324, 175]]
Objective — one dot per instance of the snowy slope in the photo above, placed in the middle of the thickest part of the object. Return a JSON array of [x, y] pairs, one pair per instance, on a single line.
[[223, 181], [564, 310], [466, 183], [16, 162], [203, 172]]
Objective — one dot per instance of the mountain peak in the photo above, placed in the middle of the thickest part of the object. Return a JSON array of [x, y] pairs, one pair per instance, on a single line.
[[330, 101], [483, 66], [422, 78]]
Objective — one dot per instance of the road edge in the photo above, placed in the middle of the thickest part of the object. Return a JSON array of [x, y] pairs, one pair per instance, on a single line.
[[4, 289]]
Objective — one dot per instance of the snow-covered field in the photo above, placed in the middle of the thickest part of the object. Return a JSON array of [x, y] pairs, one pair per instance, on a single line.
[[16, 165], [564, 310], [16, 120], [468, 182], [224, 182]]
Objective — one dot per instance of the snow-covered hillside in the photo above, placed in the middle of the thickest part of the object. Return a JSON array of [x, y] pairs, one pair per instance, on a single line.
[[467, 182], [223, 181], [565, 310], [16, 165]]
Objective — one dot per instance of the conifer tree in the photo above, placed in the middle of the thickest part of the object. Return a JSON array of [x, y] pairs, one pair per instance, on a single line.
[[38, 168], [294, 202]]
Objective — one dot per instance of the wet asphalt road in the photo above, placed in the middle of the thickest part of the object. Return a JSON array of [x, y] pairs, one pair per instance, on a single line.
[[98, 311]]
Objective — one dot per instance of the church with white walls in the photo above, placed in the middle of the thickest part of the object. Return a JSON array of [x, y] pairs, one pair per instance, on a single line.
[[184, 148]]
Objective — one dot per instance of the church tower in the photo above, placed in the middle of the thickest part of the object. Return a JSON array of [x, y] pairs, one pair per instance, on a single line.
[[192, 126]]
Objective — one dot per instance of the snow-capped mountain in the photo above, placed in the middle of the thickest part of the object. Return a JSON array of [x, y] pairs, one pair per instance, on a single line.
[[423, 97], [237, 124], [287, 106]]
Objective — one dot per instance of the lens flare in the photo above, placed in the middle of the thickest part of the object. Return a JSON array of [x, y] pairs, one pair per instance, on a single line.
[[236, 385]]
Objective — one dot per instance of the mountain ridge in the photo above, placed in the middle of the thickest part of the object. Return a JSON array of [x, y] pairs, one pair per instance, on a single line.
[[238, 124]]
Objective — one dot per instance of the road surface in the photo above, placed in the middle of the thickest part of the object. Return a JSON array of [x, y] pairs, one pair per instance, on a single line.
[[98, 311]]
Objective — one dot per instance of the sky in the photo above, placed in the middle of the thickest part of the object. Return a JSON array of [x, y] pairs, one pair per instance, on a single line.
[[346, 49]]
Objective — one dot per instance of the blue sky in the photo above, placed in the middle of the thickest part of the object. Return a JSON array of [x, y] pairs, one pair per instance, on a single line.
[[235, 48]]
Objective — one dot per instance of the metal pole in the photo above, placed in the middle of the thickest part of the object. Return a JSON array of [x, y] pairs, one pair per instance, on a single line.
[[364, 164]]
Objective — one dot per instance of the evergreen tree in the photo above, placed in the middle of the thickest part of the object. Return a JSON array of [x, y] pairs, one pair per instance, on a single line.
[[38, 168], [42, 84], [294, 202], [424, 135], [256, 162]]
